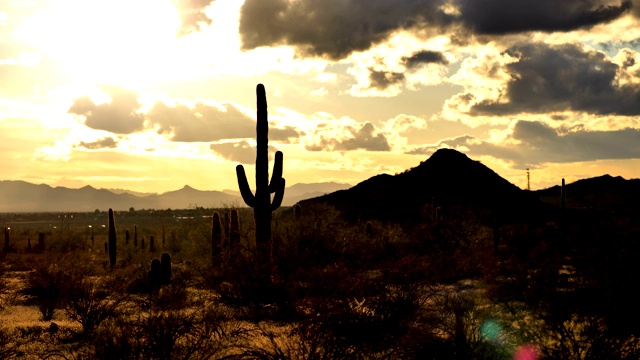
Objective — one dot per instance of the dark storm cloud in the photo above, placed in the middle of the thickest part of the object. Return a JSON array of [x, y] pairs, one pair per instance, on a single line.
[[365, 138], [515, 16], [333, 28], [563, 77], [119, 116], [107, 142], [336, 28], [192, 15], [538, 143], [383, 79], [424, 57], [204, 123], [241, 152]]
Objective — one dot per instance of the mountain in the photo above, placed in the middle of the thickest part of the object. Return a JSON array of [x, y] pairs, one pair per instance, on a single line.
[[602, 192], [448, 178], [21, 196], [301, 191]]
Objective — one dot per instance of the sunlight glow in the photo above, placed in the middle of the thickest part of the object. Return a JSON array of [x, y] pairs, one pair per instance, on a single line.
[[117, 42]]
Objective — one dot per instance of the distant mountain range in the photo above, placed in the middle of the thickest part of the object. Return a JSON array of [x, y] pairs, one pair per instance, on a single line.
[[21, 196], [447, 179]]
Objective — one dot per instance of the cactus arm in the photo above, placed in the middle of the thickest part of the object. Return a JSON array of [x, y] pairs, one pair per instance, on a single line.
[[245, 190], [279, 195], [277, 173]]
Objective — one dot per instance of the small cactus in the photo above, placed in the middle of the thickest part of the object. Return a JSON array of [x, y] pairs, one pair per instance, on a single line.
[[234, 231], [154, 276], [29, 245], [152, 241], [135, 235], [165, 262], [297, 212], [216, 236], [126, 237], [41, 244], [6, 239], [563, 196], [142, 243], [112, 238]]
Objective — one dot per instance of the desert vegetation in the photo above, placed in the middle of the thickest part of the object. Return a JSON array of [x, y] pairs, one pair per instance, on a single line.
[[439, 278]]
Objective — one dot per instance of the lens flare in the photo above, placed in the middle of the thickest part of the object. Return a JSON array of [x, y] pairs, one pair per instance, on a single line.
[[526, 352]]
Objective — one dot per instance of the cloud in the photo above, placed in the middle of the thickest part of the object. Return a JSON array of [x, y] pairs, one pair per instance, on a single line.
[[547, 78], [336, 28], [365, 138], [241, 152], [119, 116], [107, 142], [383, 79], [204, 122], [499, 17], [424, 57], [192, 15], [333, 28], [535, 143]]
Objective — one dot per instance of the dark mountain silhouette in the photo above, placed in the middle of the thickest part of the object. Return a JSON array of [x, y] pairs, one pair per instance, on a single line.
[[21, 196], [448, 178], [602, 192]]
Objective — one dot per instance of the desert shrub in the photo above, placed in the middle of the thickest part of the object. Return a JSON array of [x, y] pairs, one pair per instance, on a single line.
[[50, 283], [90, 302]]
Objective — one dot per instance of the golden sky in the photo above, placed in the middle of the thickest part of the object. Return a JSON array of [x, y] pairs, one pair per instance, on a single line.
[[150, 95]]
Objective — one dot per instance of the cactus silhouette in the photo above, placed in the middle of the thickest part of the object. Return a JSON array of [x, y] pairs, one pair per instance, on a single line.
[[154, 275], [135, 235], [563, 196], [234, 231], [216, 236], [261, 202], [165, 273], [297, 212], [112, 238], [41, 245], [126, 237], [152, 244], [6, 239]]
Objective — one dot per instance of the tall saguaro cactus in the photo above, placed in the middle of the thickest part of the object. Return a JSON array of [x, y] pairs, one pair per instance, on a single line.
[[261, 202], [112, 239]]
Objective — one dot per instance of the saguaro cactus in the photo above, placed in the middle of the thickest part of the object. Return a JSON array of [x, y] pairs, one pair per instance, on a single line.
[[152, 244], [261, 202], [297, 212], [563, 196], [135, 235], [112, 238], [165, 262], [216, 236], [126, 237], [234, 231]]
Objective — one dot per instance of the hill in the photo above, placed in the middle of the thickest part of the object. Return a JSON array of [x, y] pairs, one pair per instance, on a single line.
[[448, 178], [602, 192]]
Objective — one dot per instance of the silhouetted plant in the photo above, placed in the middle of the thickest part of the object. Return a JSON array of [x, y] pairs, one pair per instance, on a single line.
[[261, 201], [297, 212], [135, 235], [112, 239], [152, 244], [91, 301], [126, 237], [234, 232], [154, 276], [216, 237], [165, 261]]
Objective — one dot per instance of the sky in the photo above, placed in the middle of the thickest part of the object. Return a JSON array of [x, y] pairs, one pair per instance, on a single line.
[[152, 95]]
